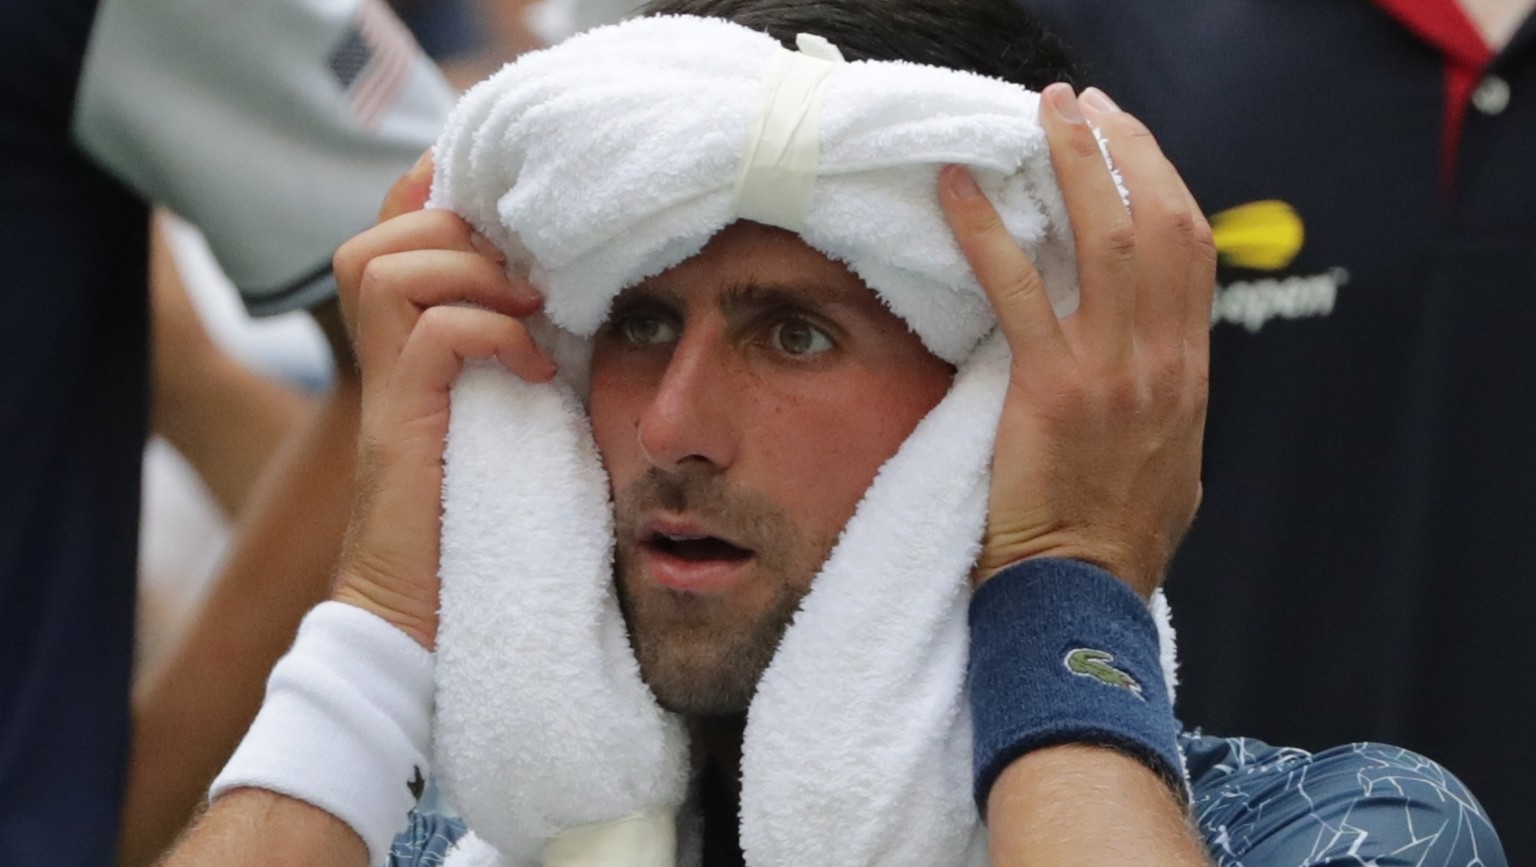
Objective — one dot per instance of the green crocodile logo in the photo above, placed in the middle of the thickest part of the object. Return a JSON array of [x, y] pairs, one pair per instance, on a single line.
[[1088, 662]]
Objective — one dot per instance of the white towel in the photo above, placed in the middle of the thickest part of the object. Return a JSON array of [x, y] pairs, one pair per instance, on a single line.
[[606, 160], [613, 156]]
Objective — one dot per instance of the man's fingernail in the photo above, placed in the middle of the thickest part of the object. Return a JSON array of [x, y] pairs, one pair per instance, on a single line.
[[1065, 102], [528, 295], [962, 184], [484, 247], [1099, 100], [421, 162], [524, 291], [544, 367]]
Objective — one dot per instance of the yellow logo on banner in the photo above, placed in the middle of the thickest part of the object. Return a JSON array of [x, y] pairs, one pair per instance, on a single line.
[[1264, 236]]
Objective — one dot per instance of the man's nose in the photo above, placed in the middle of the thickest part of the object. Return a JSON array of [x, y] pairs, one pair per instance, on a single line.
[[694, 413]]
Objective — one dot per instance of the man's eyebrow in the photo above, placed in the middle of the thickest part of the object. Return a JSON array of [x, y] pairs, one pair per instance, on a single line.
[[738, 299], [748, 296], [646, 292]]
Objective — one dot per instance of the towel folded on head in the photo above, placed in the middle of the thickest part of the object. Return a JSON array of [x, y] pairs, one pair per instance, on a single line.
[[615, 155], [607, 160]]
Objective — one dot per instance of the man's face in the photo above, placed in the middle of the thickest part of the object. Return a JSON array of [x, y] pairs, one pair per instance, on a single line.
[[742, 403]]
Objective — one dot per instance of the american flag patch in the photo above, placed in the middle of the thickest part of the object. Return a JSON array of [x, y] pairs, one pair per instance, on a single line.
[[372, 61]]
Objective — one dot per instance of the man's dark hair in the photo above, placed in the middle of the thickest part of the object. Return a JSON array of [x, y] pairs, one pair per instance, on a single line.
[[990, 37]]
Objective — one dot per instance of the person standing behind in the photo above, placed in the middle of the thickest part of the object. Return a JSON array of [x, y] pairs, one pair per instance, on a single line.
[[275, 127], [1360, 566]]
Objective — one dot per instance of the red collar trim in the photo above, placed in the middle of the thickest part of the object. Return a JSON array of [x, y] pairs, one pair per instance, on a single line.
[[1443, 24]]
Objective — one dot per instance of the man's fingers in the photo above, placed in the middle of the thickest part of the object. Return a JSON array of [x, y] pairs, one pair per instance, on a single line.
[[446, 337], [420, 230], [437, 229], [388, 274], [396, 288], [409, 192], [1202, 278], [1012, 284], [1106, 236], [1171, 233]]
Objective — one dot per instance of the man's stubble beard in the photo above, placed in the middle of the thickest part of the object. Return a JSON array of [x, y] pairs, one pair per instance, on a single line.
[[703, 655]]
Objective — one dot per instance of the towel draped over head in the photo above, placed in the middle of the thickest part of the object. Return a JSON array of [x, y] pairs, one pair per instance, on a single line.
[[597, 164]]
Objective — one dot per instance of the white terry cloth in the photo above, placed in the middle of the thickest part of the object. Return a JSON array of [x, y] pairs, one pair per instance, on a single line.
[[599, 163]]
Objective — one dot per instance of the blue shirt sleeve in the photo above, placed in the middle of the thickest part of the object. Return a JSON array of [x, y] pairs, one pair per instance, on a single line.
[[426, 841], [1365, 803]]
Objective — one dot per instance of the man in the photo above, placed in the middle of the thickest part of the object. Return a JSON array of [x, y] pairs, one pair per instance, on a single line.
[[1366, 471], [739, 428], [273, 127]]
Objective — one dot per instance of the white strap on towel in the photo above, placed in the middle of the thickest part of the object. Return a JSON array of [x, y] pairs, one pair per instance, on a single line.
[[647, 839], [784, 152]]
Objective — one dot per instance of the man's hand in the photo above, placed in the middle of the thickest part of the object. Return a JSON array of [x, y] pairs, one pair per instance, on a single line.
[[404, 287], [1098, 448]]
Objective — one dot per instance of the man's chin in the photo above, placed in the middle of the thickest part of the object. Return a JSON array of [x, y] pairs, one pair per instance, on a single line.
[[703, 655], [702, 681]]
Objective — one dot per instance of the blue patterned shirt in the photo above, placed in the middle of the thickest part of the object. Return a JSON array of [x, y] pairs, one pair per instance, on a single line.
[[1257, 806]]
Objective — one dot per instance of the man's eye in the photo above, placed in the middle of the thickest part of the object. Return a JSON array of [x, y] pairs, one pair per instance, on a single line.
[[798, 337], [647, 329]]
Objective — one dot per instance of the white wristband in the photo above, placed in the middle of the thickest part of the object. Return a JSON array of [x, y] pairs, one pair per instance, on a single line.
[[346, 724]]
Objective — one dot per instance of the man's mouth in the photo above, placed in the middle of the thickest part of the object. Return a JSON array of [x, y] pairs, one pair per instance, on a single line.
[[690, 560], [696, 548]]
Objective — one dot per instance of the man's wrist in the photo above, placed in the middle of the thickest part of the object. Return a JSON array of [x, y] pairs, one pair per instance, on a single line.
[[999, 553], [1064, 652], [421, 628]]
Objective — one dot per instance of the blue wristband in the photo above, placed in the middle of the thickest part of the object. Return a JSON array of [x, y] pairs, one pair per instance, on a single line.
[[1064, 652]]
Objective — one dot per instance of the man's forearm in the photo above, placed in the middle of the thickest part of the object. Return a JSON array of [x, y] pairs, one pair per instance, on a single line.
[[1078, 804], [226, 420], [190, 717], [250, 827], [229, 424]]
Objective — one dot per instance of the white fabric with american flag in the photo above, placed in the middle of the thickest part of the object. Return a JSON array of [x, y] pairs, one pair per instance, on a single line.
[[274, 126], [373, 60]]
